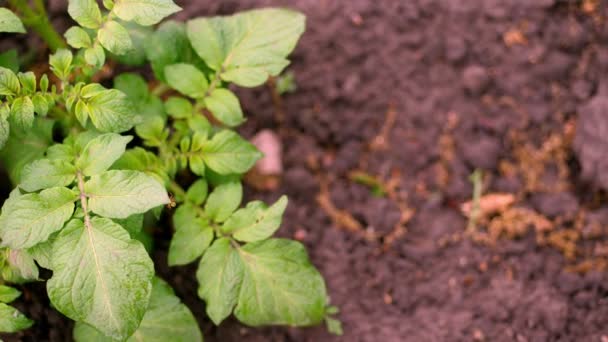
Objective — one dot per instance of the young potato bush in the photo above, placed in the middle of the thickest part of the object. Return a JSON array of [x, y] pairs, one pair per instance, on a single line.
[[80, 205]]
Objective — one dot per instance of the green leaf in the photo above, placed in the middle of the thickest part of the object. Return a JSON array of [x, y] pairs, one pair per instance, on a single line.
[[133, 85], [9, 83], [228, 153], [120, 194], [101, 277], [47, 173], [197, 192], [22, 113], [334, 326], [197, 165], [43, 252], [256, 221], [139, 159], [219, 275], [145, 12], [166, 319], [115, 38], [95, 56], [112, 111], [10, 60], [5, 129], [24, 147], [192, 236], [41, 105], [140, 36], [186, 79], [85, 12], [32, 218], [179, 107], [101, 152], [169, 45], [247, 47], [9, 22], [28, 82], [133, 224], [8, 294], [280, 285], [78, 38], [224, 200], [225, 107], [21, 267], [61, 63], [11, 320]]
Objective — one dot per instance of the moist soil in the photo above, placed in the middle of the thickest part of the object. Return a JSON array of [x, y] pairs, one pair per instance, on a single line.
[[397, 103]]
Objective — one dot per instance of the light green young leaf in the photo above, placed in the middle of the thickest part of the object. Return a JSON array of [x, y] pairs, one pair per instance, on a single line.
[[9, 83], [85, 12], [247, 47], [20, 267], [101, 277], [140, 37], [186, 79], [95, 56], [197, 165], [41, 105], [134, 85], [28, 82], [43, 252], [120, 194], [256, 222], [179, 107], [78, 38], [197, 192], [224, 200], [32, 218], [228, 153], [61, 63], [219, 275], [22, 113], [115, 38], [280, 285], [9, 22], [166, 319], [192, 237], [24, 147], [101, 152], [145, 12], [47, 173], [138, 159], [225, 107], [112, 111], [8, 294], [11, 320]]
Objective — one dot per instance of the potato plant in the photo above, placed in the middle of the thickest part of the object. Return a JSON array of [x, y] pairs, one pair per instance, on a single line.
[[93, 165]]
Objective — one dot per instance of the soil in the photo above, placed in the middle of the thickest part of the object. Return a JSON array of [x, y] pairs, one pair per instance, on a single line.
[[415, 95]]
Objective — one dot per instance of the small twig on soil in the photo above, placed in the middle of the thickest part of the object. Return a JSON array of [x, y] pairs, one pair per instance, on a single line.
[[381, 141], [279, 109], [477, 181]]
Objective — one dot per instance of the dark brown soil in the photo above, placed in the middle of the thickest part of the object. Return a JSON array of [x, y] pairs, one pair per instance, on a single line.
[[418, 94]]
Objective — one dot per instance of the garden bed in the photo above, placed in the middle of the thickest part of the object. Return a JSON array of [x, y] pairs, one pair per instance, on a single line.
[[397, 103]]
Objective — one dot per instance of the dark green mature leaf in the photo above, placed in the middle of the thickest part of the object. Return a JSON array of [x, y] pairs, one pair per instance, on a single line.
[[192, 236], [115, 38], [112, 111], [9, 83], [280, 285], [186, 79], [47, 173], [101, 152], [24, 147], [85, 12], [78, 38], [247, 47], [255, 222], [120, 194], [133, 224], [166, 319], [225, 106], [145, 12], [9, 22], [228, 153], [11, 320], [220, 274], [140, 37], [224, 200], [32, 218], [10, 60], [101, 277]]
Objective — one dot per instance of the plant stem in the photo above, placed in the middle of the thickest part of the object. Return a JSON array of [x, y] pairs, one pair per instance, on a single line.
[[83, 199], [39, 22]]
